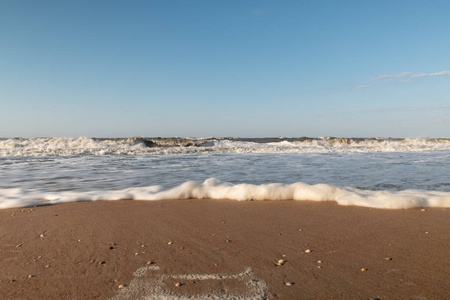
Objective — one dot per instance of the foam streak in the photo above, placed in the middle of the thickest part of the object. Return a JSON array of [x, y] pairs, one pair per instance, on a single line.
[[215, 189]]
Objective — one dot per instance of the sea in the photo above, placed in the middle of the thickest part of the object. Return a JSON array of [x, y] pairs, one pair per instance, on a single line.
[[385, 173]]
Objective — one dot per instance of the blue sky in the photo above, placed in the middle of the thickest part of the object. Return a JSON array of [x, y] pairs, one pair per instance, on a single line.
[[225, 68]]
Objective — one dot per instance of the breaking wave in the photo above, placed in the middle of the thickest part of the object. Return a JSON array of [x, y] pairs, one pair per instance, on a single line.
[[27, 147], [215, 189]]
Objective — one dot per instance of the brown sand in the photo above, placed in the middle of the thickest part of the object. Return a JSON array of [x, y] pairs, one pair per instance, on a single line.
[[87, 250]]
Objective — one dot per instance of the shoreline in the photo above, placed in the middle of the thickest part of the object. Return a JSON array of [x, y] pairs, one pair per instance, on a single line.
[[84, 250]]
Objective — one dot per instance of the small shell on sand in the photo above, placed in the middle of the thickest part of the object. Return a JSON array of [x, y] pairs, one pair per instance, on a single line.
[[319, 267], [169, 243], [41, 235], [319, 261], [308, 251], [289, 283], [280, 262], [150, 262], [178, 284], [363, 269], [122, 286], [423, 209], [388, 258]]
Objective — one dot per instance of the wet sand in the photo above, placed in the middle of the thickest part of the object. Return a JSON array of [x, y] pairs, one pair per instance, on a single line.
[[205, 248]]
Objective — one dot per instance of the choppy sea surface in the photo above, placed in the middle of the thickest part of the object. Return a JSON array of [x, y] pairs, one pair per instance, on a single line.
[[372, 172]]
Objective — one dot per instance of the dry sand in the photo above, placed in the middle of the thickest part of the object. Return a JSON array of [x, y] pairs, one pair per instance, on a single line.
[[205, 248]]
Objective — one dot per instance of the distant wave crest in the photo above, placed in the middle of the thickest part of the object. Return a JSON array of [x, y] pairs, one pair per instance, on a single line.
[[139, 145]]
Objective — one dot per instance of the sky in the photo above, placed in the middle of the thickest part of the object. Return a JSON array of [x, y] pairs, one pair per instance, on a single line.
[[197, 68]]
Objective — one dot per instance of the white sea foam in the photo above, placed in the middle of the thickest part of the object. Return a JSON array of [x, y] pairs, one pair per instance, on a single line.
[[215, 189], [132, 146]]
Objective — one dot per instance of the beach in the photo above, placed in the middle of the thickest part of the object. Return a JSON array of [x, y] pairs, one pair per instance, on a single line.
[[220, 248]]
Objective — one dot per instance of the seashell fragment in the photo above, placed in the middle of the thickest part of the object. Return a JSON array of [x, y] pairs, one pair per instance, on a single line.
[[280, 262]]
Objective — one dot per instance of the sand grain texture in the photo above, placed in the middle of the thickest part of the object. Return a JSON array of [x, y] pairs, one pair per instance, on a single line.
[[218, 248]]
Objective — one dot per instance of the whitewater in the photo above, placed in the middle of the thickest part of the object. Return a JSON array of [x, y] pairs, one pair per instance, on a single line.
[[389, 173]]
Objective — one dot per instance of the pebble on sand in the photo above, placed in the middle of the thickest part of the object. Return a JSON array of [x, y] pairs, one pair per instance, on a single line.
[[178, 284], [363, 269], [308, 251], [289, 283], [122, 286], [388, 258], [169, 243], [280, 262]]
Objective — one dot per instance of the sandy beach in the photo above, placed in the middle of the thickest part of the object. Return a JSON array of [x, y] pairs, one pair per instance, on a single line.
[[207, 249]]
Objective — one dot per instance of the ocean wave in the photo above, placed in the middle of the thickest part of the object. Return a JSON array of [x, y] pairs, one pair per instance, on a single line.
[[215, 189], [28, 147]]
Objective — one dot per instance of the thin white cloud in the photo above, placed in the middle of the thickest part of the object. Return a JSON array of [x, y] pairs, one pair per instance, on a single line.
[[419, 75], [442, 73], [391, 76], [409, 75], [362, 86]]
